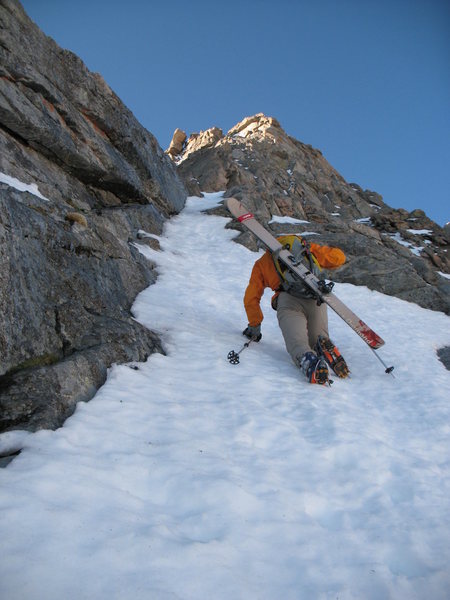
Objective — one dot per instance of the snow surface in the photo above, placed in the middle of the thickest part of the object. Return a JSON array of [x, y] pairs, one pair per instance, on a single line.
[[144, 234], [420, 231], [291, 221], [400, 240], [32, 188], [286, 220], [193, 479]]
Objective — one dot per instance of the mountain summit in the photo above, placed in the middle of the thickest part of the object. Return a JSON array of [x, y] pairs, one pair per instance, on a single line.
[[279, 178]]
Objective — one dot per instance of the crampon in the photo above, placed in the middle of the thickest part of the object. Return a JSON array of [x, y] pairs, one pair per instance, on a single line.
[[331, 354]]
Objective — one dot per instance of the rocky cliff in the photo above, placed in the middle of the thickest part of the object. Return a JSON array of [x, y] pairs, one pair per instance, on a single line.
[[79, 179], [397, 252]]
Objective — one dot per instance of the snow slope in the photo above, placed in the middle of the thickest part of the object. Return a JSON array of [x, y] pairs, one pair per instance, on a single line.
[[193, 479]]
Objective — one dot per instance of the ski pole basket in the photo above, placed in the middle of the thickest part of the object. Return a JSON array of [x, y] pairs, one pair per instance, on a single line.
[[233, 357]]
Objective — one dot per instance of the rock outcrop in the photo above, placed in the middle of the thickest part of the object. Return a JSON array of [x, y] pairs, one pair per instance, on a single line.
[[79, 179], [397, 252], [177, 144]]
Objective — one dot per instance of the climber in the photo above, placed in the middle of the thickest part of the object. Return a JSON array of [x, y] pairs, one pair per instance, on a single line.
[[303, 322]]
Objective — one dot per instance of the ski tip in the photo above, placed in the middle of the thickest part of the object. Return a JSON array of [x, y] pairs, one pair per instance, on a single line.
[[236, 208], [230, 202], [378, 344], [371, 338]]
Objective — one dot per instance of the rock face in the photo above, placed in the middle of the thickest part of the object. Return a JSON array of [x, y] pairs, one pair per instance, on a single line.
[[396, 252], [90, 178]]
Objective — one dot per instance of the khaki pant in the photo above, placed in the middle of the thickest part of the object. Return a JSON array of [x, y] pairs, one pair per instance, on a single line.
[[301, 322]]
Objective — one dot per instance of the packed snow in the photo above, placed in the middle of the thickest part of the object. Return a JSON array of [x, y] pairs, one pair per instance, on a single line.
[[420, 231], [286, 220], [400, 240], [32, 188], [188, 478]]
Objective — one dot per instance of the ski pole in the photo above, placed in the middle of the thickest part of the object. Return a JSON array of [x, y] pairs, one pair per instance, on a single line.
[[233, 357], [387, 369]]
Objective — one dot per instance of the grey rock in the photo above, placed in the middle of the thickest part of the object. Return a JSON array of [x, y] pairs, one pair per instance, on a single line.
[[45, 396], [444, 356], [73, 288], [69, 266], [446, 232], [51, 102]]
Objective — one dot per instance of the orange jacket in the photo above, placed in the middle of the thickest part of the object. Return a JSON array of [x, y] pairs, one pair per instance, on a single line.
[[264, 275]]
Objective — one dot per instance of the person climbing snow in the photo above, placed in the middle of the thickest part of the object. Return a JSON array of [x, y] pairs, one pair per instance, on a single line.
[[303, 322]]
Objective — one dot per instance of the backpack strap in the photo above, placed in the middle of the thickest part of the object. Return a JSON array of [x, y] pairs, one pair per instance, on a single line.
[[288, 282], [304, 255]]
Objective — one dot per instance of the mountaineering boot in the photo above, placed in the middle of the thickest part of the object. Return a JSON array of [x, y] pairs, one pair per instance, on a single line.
[[315, 368], [331, 354]]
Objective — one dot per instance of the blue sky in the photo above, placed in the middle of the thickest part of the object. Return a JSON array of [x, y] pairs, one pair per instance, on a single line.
[[367, 82]]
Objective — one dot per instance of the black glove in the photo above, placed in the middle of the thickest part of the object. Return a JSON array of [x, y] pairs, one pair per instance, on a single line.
[[253, 333]]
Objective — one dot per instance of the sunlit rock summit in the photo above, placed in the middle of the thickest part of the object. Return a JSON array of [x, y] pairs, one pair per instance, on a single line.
[[394, 251]]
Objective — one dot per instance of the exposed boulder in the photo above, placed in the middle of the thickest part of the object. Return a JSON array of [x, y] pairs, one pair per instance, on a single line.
[[80, 179], [397, 252], [446, 232], [177, 144]]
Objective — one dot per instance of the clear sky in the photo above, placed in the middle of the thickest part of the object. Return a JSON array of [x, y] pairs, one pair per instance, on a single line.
[[365, 81]]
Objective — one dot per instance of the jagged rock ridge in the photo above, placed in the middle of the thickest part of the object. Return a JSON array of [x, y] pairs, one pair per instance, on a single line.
[[69, 270], [397, 252]]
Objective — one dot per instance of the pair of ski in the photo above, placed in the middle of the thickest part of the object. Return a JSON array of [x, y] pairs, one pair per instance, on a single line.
[[322, 290]]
